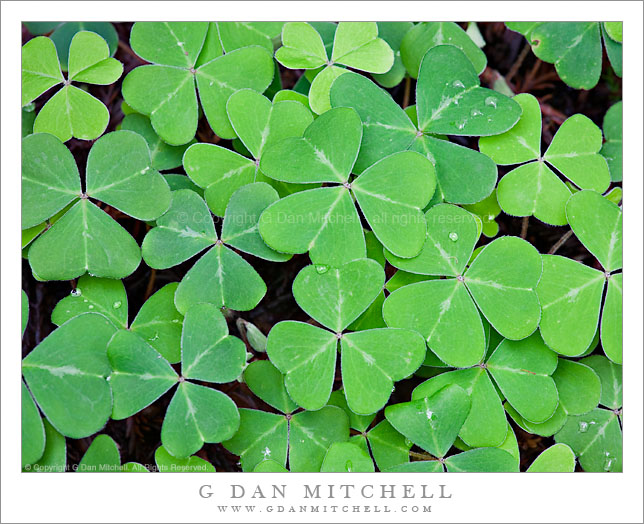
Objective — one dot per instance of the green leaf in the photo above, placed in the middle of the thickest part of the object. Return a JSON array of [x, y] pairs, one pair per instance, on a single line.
[[393, 33], [101, 456], [486, 424], [241, 229], [556, 459], [391, 195], [235, 285], [449, 99], [487, 210], [48, 168], [311, 434], [166, 463], [265, 381], [597, 223], [522, 367], [33, 431], [426, 35], [610, 375], [98, 295], [420, 466], [24, 311], [357, 45], [64, 34], [578, 387], [172, 43], [502, 281], [434, 422], [159, 323], [343, 457], [613, 51], [163, 156], [306, 355], [451, 237], [545, 429], [570, 294], [335, 297], [261, 436], [596, 439], [176, 182], [197, 415], [388, 446], [139, 375], [90, 62], [183, 231], [219, 171], [614, 30], [234, 35], [208, 352], [270, 466], [444, 314], [481, 460], [302, 47], [358, 422], [574, 151], [612, 148], [84, 240], [40, 68], [128, 184], [54, 458], [573, 47], [72, 361], [370, 367], [611, 323]]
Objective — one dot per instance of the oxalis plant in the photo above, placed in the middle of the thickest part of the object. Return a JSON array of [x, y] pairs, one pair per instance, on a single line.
[[321, 247]]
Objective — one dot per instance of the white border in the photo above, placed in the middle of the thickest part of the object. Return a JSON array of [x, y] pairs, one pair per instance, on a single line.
[[169, 498]]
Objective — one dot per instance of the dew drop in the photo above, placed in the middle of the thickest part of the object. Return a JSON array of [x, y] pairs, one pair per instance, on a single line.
[[408, 442], [91, 306], [583, 427], [462, 123], [490, 217], [85, 301], [458, 83], [475, 112], [156, 335], [349, 466], [453, 236], [109, 378], [608, 462], [76, 292], [490, 101], [117, 304], [175, 320], [321, 269]]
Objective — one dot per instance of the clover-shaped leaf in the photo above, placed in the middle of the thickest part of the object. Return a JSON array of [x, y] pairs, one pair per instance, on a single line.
[[166, 90], [187, 229], [432, 422], [422, 37], [571, 292], [85, 238], [158, 321], [449, 101], [72, 363], [196, 414], [71, 112], [300, 439], [393, 33], [259, 124], [324, 221], [102, 456], [355, 45], [610, 375], [33, 431], [612, 148], [306, 354], [533, 188], [556, 459], [596, 439], [345, 457], [578, 386], [445, 311], [65, 33], [518, 369]]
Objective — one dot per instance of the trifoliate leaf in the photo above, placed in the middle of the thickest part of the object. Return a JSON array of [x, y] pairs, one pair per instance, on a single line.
[[345, 457]]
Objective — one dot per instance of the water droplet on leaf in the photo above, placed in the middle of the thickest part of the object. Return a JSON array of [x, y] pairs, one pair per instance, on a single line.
[[458, 83], [490, 101], [175, 320], [475, 112], [91, 306], [583, 427], [348, 466], [408, 442], [321, 269], [116, 304], [76, 292], [453, 236]]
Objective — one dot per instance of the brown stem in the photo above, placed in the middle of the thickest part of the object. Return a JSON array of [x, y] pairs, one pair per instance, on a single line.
[[517, 64], [150, 287], [524, 227], [560, 243], [423, 456], [407, 92]]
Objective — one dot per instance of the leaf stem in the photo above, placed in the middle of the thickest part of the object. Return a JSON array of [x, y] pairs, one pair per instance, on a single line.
[[524, 227], [150, 287], [560, 243], [519, 61], [423, 456], [406, 92]]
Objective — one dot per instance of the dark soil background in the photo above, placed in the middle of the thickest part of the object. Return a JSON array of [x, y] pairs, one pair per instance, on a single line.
[[508, 55]]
